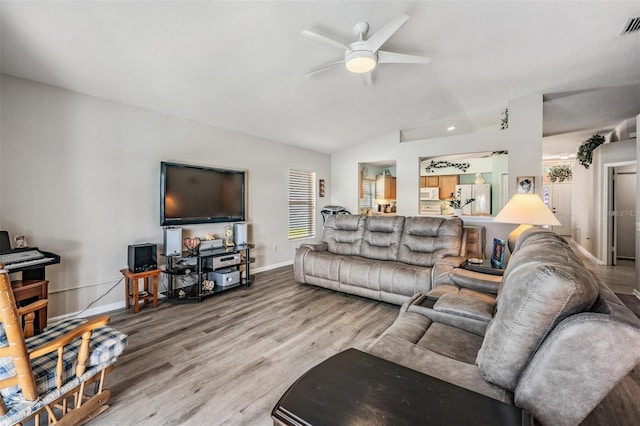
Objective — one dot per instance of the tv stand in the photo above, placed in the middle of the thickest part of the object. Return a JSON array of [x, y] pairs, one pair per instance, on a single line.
[[187, 275]]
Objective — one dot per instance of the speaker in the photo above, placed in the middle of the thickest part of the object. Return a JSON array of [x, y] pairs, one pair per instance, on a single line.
[[172, 241], [240, 234], [5, 244], [143, 257]]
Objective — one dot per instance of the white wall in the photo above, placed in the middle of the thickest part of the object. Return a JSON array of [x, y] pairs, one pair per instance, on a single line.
[[523, 140], [637, 290], [80, 176]]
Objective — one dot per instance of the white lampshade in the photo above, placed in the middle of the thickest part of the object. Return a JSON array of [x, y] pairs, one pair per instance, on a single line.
[[527, 210]]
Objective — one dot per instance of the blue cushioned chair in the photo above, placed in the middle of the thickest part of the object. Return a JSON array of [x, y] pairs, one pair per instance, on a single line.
[[47, 375]]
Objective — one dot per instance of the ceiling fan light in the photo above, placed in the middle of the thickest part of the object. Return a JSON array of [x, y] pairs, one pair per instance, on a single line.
[[360, 61]]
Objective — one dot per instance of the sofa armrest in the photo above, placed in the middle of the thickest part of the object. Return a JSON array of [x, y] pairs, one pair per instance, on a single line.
[[455, 261], [478, 281], [452, 312], [301, 253], [315, 246]]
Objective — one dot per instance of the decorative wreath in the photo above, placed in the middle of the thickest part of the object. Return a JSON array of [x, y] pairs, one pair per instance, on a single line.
[[444, 164]]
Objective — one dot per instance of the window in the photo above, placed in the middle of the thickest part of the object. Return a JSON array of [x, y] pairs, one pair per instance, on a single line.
[[302, 204], [368, 193]]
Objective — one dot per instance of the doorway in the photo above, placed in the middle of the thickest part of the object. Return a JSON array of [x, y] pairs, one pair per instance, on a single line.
[[561, 207], [621, 212]]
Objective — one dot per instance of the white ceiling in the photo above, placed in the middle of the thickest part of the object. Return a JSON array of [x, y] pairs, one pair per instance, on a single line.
[[241, 65]]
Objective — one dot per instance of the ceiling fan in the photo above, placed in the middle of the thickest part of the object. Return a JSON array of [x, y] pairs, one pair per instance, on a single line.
[[362, 56]]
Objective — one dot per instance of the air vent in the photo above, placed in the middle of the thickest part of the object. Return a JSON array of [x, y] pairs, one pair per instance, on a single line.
[[632, 25]]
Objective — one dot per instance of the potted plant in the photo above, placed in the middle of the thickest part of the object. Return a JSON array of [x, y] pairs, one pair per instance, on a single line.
[[457, 204], [585, 151], [560, 172]]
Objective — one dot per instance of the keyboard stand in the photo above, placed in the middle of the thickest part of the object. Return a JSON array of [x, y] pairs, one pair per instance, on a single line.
[[33, 284], [25, 290]]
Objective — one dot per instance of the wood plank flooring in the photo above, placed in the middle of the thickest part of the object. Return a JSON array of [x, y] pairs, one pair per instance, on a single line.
[[227, 360]]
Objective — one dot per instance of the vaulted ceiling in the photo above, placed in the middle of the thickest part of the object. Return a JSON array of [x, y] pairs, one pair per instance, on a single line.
[[241, 65]]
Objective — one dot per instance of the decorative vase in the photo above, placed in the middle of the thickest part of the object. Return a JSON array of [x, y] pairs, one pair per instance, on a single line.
[[479, 179], [192, 245], [457, 212]]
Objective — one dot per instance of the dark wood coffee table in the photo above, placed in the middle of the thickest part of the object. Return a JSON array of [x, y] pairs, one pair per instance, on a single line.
[[356, 388]]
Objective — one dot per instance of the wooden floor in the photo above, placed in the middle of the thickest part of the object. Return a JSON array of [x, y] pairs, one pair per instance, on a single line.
[[228, 360]]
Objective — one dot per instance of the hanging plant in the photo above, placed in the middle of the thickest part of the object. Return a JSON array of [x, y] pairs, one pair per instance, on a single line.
[[585, 151], [504, 124], [560, 172]]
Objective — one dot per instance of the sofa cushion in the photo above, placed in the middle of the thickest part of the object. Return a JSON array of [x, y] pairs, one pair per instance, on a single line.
[[360, 272], [382, 237], [451, 342], [343, 234], [322, 264], [543, 284], [402, 279], [398, 344], [425, 240]]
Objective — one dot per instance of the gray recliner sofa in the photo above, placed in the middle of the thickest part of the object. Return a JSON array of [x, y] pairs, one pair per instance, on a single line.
[[556, 340], [386, 258]]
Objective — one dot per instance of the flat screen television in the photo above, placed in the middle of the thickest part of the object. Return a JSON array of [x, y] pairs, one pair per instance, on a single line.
[[193, 194]]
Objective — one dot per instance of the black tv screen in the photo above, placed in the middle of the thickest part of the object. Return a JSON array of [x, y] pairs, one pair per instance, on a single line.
[[194, 194]]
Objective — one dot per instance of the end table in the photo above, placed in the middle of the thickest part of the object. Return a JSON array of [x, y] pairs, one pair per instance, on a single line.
[[132, 293]]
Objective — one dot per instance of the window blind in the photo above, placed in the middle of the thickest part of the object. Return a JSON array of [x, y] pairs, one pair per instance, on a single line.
[[368, 193], [302, 204]]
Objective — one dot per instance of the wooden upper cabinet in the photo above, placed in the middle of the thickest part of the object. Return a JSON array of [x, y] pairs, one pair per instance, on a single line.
[[445, 183], [448, 185], [386, 187], [429, 181]]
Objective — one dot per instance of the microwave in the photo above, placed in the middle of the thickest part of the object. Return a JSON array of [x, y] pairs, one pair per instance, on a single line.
[[430, 193]]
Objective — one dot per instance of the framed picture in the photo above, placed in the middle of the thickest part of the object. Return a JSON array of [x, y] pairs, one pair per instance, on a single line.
[[525, 184], [497, 255]]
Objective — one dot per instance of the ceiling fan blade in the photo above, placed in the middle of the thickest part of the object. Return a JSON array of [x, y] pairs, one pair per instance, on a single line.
[[323, 39], [376, 41], [400, 58], [366, 79], [321, 68]]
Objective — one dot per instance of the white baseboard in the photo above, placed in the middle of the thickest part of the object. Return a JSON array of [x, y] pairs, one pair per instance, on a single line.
[[270, 267], [89, 312], [636, 293]]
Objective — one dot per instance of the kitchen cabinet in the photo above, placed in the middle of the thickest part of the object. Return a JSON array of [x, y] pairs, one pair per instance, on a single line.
[[445, 183], [447, 186], [429, 181], [385, 187]]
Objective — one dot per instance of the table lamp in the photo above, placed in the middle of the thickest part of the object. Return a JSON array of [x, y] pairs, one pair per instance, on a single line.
[[527, 210]]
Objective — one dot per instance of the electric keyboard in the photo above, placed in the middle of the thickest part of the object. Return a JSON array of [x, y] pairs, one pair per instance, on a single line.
[[27, 259], [20, 256], [26, 263]]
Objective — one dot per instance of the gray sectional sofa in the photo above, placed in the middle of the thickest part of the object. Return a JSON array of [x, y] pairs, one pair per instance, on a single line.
[[388, 258], [555, 341]]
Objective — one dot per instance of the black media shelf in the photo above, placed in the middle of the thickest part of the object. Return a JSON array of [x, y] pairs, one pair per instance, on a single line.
[[197, 267]]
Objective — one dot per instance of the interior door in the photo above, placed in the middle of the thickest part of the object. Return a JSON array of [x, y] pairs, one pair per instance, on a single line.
[[624, 208], [561, 207]]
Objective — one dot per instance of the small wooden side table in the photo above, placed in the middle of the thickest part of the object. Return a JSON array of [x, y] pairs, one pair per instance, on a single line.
[[132, 293]]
